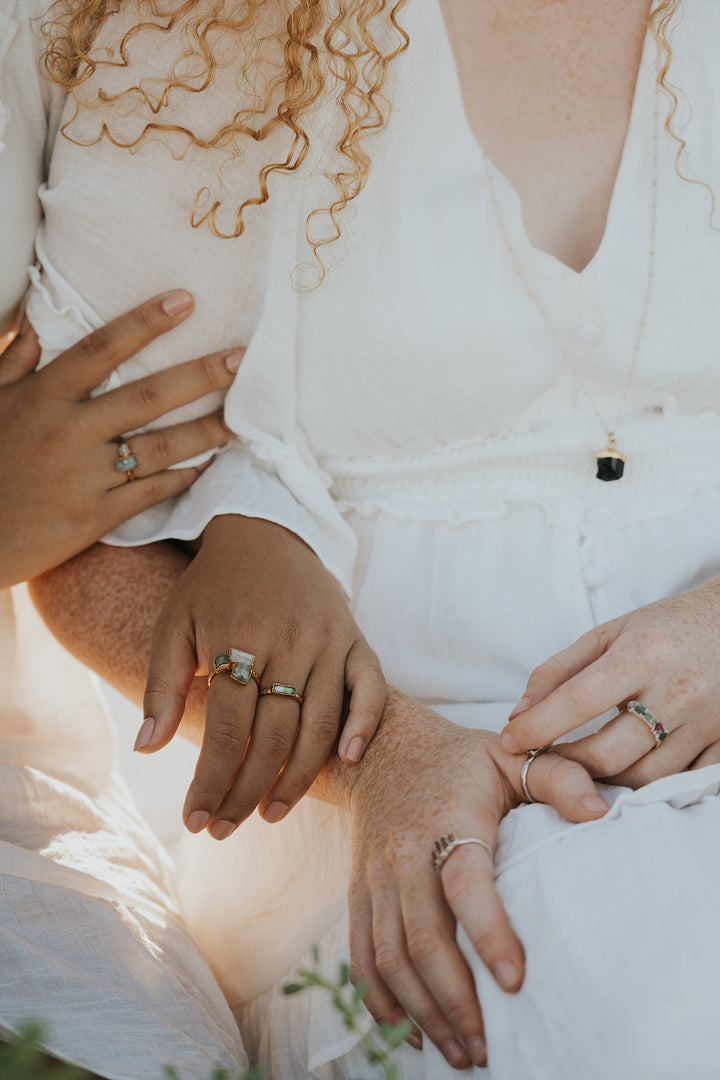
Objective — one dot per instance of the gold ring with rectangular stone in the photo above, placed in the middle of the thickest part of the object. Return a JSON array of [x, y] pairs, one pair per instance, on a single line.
[[283, 690]]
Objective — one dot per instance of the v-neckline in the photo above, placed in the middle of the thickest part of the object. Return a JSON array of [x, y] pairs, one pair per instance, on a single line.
[[506, 193]]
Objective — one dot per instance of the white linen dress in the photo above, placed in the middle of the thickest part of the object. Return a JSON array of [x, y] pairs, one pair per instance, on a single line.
[[415, 422], [92, 941]]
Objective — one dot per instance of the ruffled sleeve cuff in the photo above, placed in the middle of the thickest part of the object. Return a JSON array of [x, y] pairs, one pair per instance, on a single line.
[[273, 484]]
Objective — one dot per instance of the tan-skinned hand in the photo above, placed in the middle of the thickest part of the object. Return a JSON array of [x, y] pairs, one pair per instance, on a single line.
[[256, 587], [665, 655], [59, 489], [422, 778]]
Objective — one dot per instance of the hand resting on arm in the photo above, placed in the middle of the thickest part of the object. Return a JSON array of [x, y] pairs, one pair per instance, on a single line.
[[60, 490], [402, 914]]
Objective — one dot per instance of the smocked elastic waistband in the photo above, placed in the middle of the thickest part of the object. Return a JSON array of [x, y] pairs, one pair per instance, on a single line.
[[667, 457]]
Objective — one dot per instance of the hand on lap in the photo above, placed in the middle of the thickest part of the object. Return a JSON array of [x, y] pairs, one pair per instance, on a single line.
[[662, 663], [256, 588], [424, 778]]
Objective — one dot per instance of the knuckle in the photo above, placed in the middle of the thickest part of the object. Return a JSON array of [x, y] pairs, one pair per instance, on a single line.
[[423, 944], [228, 739], [159, 447], [274, 744], [213, 375], [94, 346], [389, 960], [291, 632], [325, 726], [147, 394]]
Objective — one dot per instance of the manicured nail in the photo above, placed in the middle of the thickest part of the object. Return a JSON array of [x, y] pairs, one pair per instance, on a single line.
[[415, 1039], [509, 742], [144, 735], [275, 811], [197, 821], [522, 705], [355, 750], [233, 360], [507, 975], [220, 830], [454, 1051], [477, 1048], [176, 302], [594, 803]]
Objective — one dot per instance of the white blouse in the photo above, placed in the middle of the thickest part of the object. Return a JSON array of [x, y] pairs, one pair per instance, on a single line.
[[396, 369]]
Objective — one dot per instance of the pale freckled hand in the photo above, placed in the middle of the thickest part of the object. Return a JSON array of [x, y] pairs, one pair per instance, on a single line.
[[667, 657]]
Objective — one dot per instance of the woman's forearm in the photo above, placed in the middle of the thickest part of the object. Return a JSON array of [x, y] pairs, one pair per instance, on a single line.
[[102, 606]]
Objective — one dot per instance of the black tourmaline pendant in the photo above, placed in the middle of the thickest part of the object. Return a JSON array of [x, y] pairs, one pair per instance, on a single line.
[[610, 462]]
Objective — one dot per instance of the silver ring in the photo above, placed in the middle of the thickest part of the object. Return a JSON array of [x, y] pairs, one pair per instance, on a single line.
[[637, 708], [531, 755], [444, 847]]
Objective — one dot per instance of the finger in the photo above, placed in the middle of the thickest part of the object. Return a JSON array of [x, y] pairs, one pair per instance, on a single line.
[[274, 731], [598, 688], [171, 671], [436, 958], [380, 1002], [88, 363], [402, 979], [682, 748], [619, 743], [157, 450], [228, 724], [557, 669], [138, 403], [132, 498], [566, 786], [21, 356], [709, 756], [468, 882], [366, 685], [319, 724]]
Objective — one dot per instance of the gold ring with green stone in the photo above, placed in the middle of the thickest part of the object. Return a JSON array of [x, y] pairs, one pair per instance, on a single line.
[[239, 664], [283, 690]]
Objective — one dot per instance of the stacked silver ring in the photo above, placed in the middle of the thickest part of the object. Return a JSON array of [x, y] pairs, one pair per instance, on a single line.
[[444, 847]]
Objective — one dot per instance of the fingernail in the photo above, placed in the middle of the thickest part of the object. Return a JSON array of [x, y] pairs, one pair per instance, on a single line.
[[454, 1052], [233, 360], [275, 811], [594, 803], [144, 735], [509, 742], [507, 975], [415, 1040], [477, 1048], [24, 326], [176, 302], [197, 821], [220, 830], [355, 750], [523, 703]]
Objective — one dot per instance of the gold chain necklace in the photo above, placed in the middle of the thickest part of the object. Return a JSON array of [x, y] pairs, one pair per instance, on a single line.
[[610, 461]]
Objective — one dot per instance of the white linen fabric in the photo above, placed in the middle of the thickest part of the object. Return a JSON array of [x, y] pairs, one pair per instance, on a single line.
[[92, 942], [414, 421]]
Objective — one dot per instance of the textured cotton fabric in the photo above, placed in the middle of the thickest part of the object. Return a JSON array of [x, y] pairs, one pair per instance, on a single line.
[[92, 941], [414, 421]]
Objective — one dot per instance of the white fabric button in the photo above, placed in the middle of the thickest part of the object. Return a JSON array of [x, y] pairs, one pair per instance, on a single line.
[[589, 333]]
